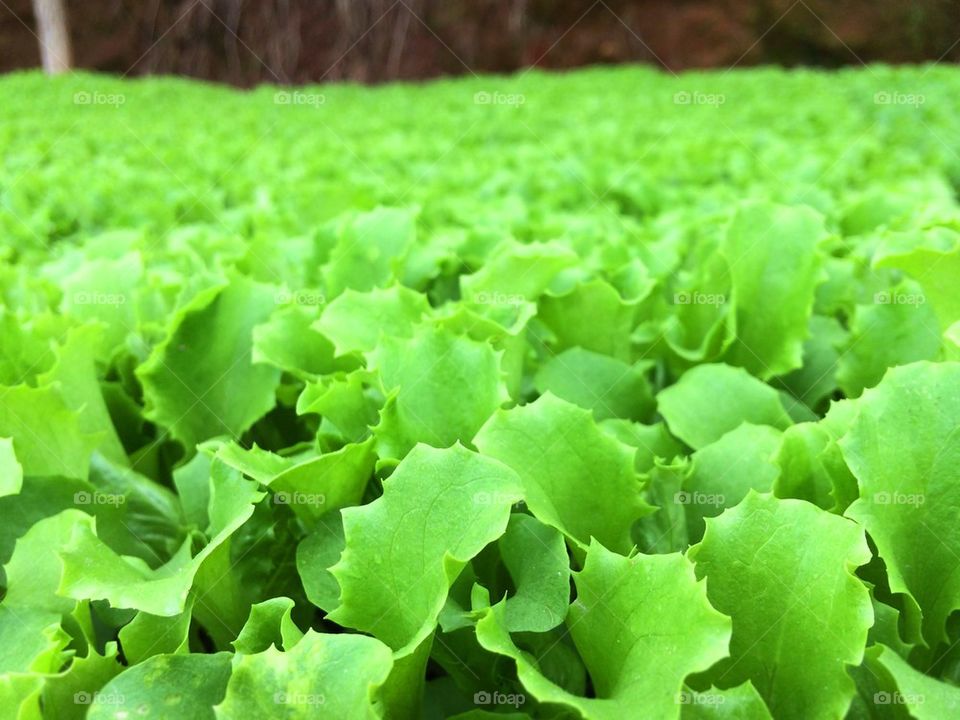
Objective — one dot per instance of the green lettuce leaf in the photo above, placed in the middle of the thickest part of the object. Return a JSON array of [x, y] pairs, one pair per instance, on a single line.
[[926, 698], [535, 556], [201, 381], [782, 569], [591, 316], [898, 328], [576, 478], [742, 702], [75, 374], [515, 273], [904, 450], [711, 400], [69, 694], [92, 570], [932, 258], [641, 625], [354, 321], [321, 676], [310, 485], [165, 687], [48, 437], [370, 250], [269, 625], [288, 341], [442, 387], [775, 261], [316, 554], [608, 387], [403, 550], [11, 473], [723, 472]]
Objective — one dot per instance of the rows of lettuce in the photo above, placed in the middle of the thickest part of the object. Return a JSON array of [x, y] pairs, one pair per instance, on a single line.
[[338, 471], [104, 541], [589, 155]]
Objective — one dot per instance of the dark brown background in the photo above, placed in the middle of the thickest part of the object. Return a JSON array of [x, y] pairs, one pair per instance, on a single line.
[[249, 41]]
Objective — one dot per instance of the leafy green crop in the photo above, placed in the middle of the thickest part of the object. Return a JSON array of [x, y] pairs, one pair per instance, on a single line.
[[600, 395]]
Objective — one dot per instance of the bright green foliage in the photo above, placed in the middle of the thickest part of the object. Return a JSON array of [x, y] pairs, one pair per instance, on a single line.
[[322, 676], [812, 467], [711, 400], [535, 556], [269, 624], [11, 474], [723, 472], [33, 572], [774, 259], [288, 341], [369, 250], [602, 394], [75, 376], [925, 697], [592, 316], [782, 569], [354, 321], [347, 403], [32, 647], [201, 381], [148, 635], [608, 387], [310, 484], [316, 554], [69, 693], [165, 687], [897, 328], [904, 449], [92, 569], [932, 258], [575, 478], [402, 551], [742, 702], [441, 389], [47, 435], [641, 625], [952, 337], [516, 272]]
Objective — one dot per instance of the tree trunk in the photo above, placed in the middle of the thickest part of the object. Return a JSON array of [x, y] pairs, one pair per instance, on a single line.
[[54, 39]]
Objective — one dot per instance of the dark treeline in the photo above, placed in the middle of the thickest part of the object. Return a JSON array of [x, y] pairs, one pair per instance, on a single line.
[[249, 41]]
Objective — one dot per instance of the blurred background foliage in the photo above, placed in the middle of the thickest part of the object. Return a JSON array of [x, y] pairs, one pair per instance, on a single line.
[[245, 42]]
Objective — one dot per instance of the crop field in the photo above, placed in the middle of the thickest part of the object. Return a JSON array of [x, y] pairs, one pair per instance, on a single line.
[[600, 395]]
